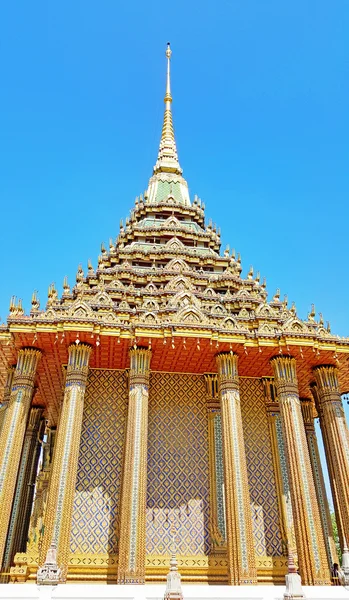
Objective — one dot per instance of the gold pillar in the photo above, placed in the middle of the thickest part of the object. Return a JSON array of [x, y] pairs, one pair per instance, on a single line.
[[7, 394], [11, 440], [41, 489], [336, 437], [280, 469], [307, 406], [217, 509], [240, 547], [312, 558], [131, 567], [21, 507], [330, 464], [59, 510]]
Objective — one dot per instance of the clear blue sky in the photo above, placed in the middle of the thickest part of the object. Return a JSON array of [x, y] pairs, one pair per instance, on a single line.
[[261, 115]]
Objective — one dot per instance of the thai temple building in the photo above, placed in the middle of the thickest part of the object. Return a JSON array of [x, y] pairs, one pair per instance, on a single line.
[[164, 404]]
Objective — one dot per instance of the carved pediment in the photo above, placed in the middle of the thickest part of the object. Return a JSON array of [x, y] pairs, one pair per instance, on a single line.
[[103, 299], [150, 288], [124, 305], [184, 298], [230, 323], [243, 294], [174, 244], [218, 310], [109, 317], [244, 313], [80, 310], [179, 283], [266, 328], [210, 293], [177, 264], [149, 318], [295, 325], [116, 284], [150, 304], [190, 314], [264, 310], [172, 222]]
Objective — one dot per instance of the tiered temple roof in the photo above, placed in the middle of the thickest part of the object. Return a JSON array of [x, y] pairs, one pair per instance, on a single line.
[[164, 283]]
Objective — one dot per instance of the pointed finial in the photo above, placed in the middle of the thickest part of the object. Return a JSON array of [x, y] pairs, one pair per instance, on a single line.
[[328, 328], [276, 298], [321, 321], [66, 286], [167, 158], [311, 315], [35, 301], [293, 308], [250, 273]]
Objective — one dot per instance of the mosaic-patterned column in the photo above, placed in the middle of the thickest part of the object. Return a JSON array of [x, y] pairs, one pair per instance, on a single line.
[[59, 510], [336, 438], [280, 469], [7, 394], [307, 406], [41, 488], [312, 558], [329, 462], [21, 508], [217, 508], [240, 547], [11, 440], [134, 486]]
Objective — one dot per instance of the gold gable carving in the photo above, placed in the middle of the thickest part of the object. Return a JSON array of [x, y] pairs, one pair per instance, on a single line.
[[177, 264]]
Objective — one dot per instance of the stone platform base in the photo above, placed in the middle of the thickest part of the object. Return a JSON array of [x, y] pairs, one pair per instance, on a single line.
[[71, 591]]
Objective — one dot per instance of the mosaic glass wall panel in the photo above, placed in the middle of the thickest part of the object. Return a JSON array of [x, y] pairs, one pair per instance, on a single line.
[[178, 478], [96, 503], [261, 478]]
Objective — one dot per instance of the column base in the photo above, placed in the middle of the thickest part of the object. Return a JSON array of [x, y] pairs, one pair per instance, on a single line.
[[50, 573]]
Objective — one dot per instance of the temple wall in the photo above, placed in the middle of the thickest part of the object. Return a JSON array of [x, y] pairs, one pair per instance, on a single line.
[[178, 469], [178, 474], [261, 478], [96, 503]]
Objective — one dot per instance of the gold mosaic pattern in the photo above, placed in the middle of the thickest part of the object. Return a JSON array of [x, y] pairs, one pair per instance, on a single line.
[[96, 502], [261, 479], [178, 478]]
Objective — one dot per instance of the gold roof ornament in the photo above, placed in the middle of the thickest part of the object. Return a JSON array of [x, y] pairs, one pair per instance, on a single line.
[[167, 177], [167, 158]]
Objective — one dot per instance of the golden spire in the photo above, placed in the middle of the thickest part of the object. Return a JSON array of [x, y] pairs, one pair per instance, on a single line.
[[167, 158]]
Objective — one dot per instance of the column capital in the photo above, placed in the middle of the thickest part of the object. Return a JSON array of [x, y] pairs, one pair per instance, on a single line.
[[78, 361], [139, 366], [8, 385], [285, 374], [27, 362], [212, 391], [227, 363], [270, 395], [307, 406], [326, 377]]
